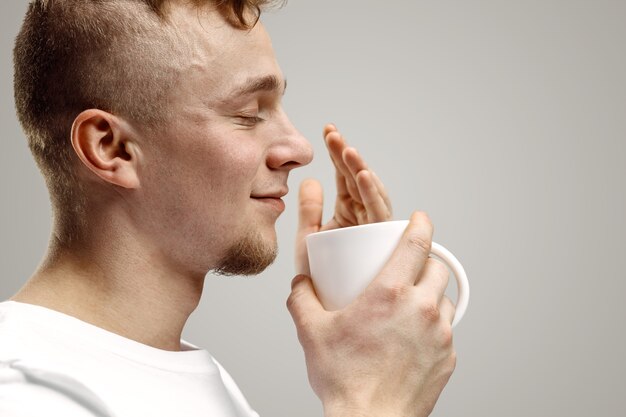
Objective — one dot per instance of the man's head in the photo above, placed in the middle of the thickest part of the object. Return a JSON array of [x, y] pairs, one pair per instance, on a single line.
[[166, 114]]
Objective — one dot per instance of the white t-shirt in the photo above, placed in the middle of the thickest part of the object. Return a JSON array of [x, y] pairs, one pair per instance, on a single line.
[[53, 364]]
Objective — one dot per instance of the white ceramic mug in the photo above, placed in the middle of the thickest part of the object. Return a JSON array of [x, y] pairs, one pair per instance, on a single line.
[[344, 261]]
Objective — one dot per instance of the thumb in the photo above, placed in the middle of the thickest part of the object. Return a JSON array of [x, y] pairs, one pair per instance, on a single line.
[[303, 304], [310, 205]]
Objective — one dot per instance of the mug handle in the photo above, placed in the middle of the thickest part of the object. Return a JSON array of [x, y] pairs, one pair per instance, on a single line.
[[461, 279]]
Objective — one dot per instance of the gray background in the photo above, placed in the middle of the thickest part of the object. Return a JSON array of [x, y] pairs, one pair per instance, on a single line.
[[504, 120]]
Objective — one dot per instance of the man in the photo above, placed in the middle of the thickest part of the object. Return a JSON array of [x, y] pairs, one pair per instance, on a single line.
[[159, 129]]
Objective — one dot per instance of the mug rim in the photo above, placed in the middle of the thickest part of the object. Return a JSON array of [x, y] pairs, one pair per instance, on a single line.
[[359, 226]]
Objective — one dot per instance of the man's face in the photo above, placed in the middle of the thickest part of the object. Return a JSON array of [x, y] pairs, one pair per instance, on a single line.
[[214, 176]]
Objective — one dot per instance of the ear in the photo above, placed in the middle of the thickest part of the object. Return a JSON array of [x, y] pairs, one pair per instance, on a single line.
[[106, 145]]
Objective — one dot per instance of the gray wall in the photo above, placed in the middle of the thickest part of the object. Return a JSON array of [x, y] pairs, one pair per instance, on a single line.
[[505, 121]]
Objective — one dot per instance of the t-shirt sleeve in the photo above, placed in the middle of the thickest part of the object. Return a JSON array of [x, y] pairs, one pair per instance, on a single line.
[[20, 399], [28, 392], [243, 408]]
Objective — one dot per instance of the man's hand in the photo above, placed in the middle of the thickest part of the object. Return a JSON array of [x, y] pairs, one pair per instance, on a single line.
[[361, 196], [390, 352]]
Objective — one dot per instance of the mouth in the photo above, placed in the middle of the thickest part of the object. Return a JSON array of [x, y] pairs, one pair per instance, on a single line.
[[272, 199], [274, 203]]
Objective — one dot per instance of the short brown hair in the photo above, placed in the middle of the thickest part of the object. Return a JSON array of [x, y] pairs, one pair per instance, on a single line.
[[68, 57]]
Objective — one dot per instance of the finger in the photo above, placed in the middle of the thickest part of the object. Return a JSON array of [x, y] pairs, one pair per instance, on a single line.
[[353, 160], [373, 202], [302, 303], [383, 192], [310, 206], [336, 145], [447, 310], [342, 187], [433, 279], [356, 164], [329, 127], [410, 256]]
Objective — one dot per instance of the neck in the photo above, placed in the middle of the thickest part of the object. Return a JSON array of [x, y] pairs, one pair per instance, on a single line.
[[122, 288]]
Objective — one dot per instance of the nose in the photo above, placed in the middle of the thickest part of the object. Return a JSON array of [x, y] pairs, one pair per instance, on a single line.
[[291, 149]]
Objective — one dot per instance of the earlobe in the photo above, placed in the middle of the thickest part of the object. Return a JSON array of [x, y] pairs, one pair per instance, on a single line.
[[105, 145]]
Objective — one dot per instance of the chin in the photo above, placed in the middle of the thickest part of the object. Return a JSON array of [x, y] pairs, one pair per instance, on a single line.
[[250, 255]]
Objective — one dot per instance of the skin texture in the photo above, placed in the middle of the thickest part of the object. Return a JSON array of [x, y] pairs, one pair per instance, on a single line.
[[390, 352], [170, 203]]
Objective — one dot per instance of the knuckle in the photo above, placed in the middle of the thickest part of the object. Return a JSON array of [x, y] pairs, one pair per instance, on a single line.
[[446, 336], [430, 311], [393, 293], [419, 243], [292, 301], [303, 323]]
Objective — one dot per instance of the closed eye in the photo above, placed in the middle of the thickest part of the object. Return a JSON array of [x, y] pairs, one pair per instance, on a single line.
[[248, 121]]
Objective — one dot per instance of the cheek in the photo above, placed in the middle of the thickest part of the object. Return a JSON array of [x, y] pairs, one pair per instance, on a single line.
[[211, 173], [197, 200], [230, 176]]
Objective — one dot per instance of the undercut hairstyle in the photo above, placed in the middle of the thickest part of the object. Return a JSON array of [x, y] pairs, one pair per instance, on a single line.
[[114, 55]]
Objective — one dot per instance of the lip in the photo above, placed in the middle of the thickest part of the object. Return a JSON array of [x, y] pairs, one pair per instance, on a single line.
[[272, 198], [274, 194], [275, 203]]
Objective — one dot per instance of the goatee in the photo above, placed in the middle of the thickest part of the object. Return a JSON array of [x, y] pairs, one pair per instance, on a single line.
[[250, 256]]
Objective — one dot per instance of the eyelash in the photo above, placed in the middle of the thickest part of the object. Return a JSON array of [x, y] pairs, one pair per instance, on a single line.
[[249, 121]]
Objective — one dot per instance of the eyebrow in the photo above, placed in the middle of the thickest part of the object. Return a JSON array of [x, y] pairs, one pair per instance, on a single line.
[[264, 83]]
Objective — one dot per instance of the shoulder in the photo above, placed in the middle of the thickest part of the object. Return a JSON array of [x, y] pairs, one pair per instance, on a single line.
[[235, 393], [26, 400], [26, 392]]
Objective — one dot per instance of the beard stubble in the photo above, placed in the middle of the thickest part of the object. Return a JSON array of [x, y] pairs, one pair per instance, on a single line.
[[251, 255]]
